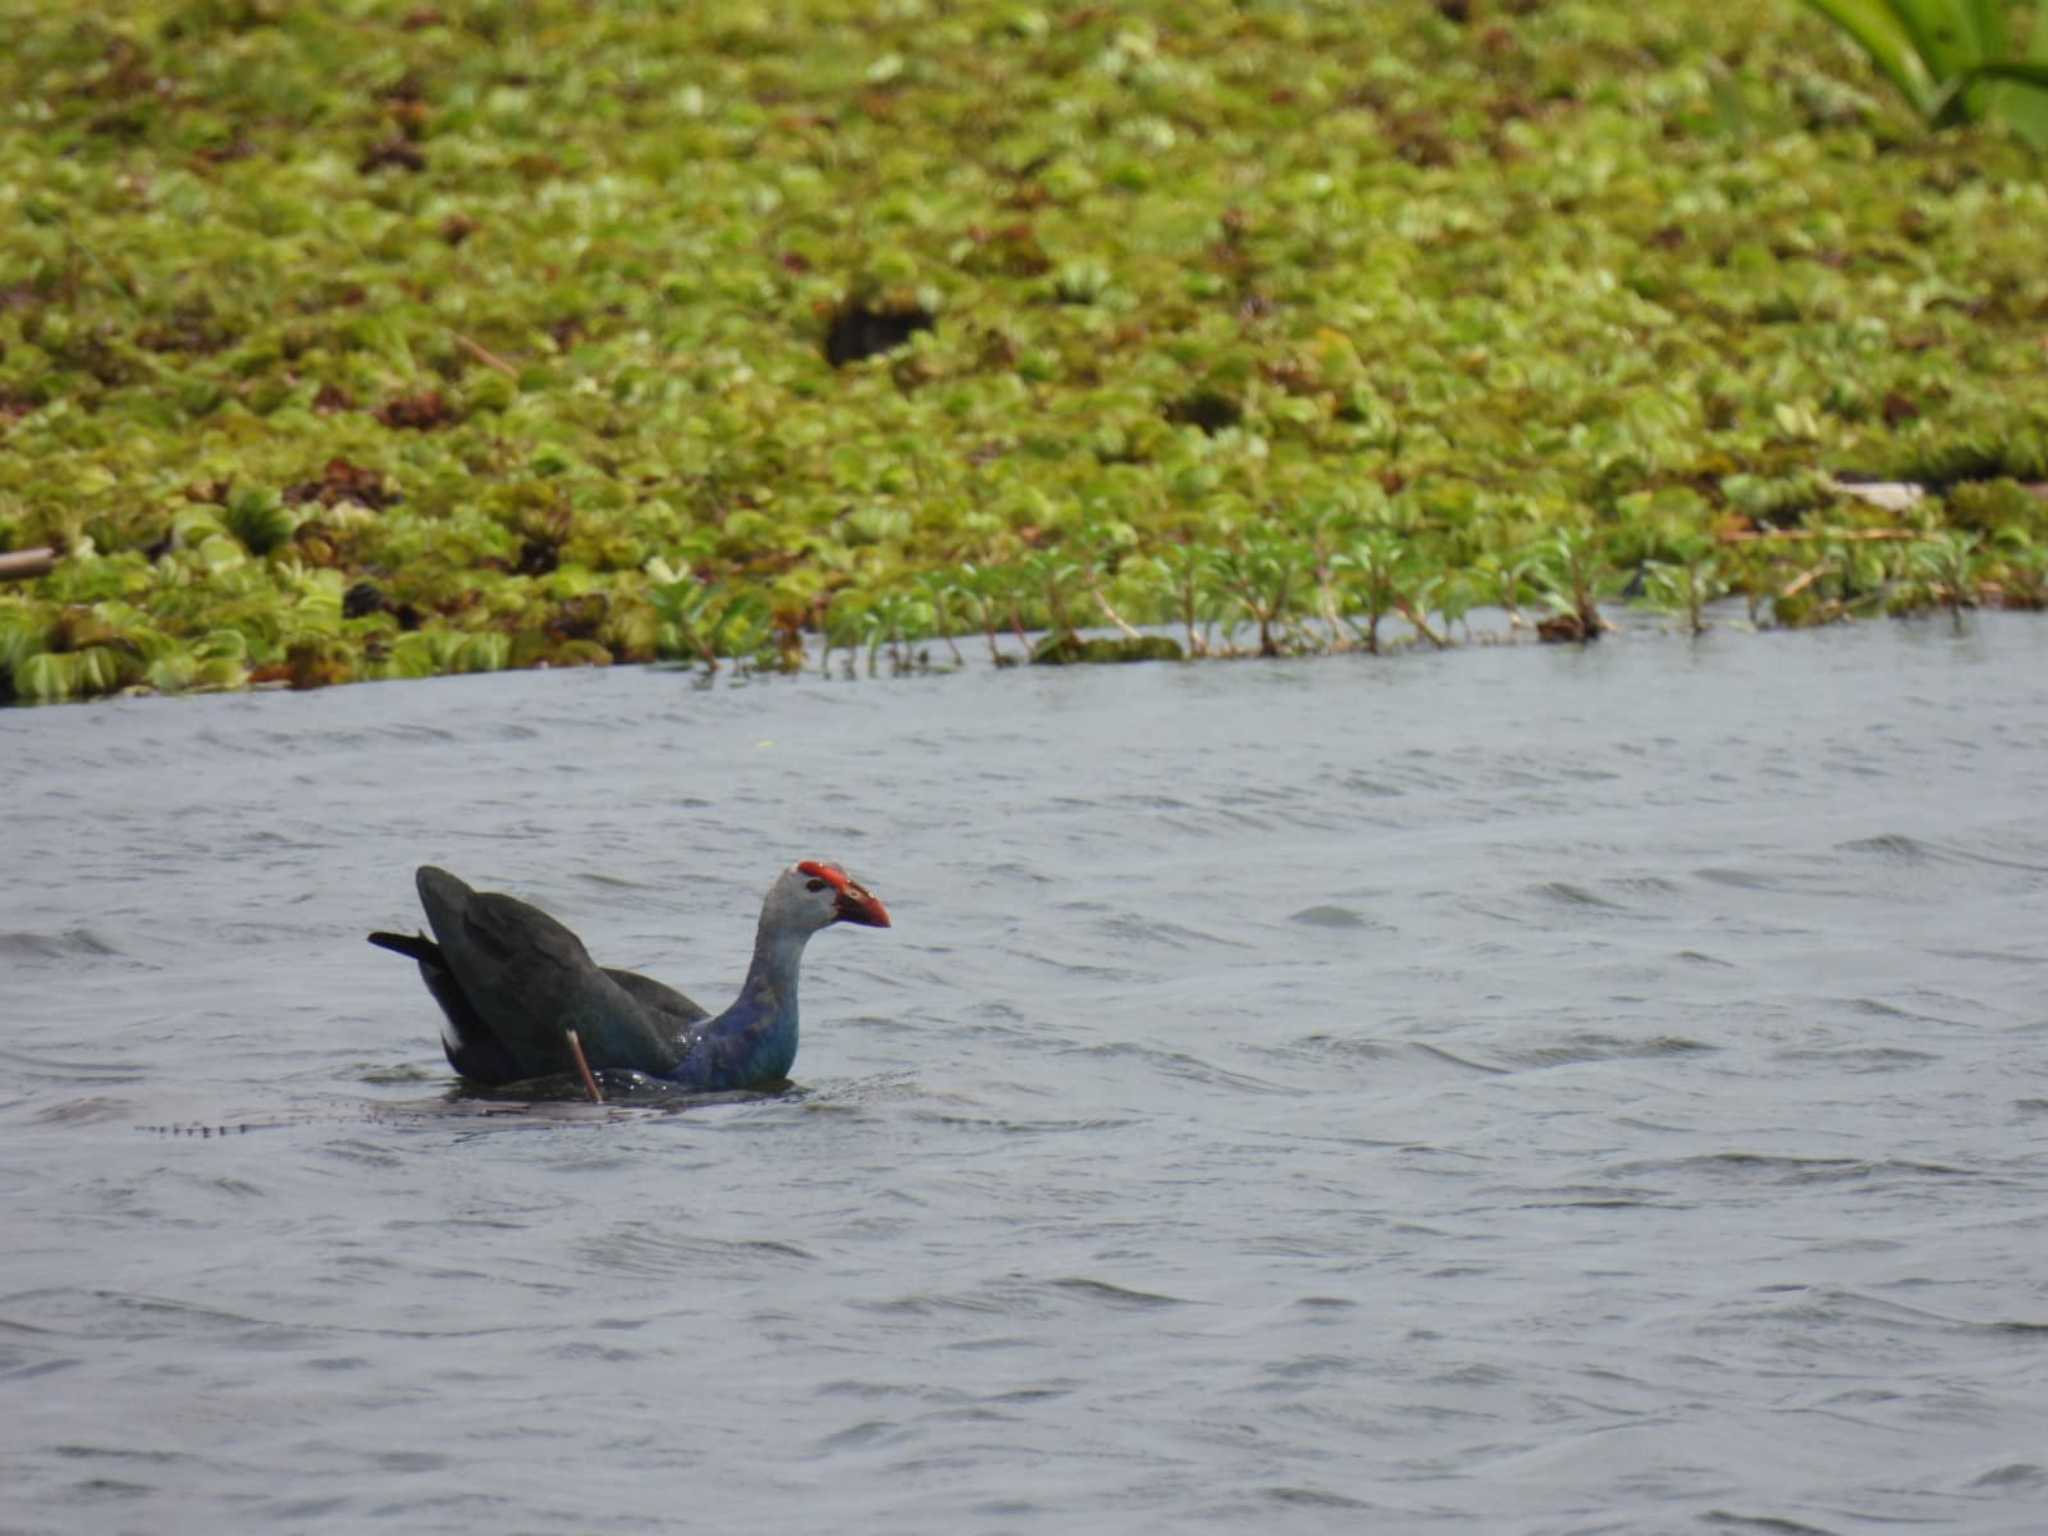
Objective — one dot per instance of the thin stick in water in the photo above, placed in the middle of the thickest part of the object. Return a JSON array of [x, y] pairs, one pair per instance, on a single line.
[[583, 1066], [485, 356]]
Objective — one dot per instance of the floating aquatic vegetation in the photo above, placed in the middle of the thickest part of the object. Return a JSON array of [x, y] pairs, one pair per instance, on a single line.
[[345, 345], [1688, 583], [1573, 576]]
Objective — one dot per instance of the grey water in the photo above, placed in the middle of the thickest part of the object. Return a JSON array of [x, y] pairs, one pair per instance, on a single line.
[[1511, 1090]]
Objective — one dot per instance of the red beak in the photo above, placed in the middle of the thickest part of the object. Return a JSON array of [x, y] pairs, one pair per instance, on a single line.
[[856, 904]]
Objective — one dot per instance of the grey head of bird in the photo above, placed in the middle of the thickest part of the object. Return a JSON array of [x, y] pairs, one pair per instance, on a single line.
[[815, 894]]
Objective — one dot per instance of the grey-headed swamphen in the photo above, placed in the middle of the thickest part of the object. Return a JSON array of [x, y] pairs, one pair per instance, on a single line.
[[514, 984]]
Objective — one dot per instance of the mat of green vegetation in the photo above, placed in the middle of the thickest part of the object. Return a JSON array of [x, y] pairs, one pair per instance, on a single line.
[[357, 340]]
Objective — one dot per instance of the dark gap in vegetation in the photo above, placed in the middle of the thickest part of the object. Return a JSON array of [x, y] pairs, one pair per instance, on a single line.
[[860, 331], [1207, 409], [366, 598], [417, 413], [399, 153], [342, 481], [580, 618]]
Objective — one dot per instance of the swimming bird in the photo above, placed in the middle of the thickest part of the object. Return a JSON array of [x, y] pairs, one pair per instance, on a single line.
[[522, 998]]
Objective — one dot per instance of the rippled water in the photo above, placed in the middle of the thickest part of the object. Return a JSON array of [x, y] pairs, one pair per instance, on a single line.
[[1517, 1090]]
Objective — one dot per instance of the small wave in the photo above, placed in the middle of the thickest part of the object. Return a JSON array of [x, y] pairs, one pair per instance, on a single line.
[[1376, 1049], [1876, 1058], [120, 1453], [69, 944], [1313, 1498], [397, 1074], [1893, 848], [1746, 1167], [1369, 786], [2014, 1474], [1878, 1009], [1993, 956], [1799, 883], [1128, 928], [268, 837], [1835, 1304], [1007, 870], [1897, 848], [1589, 1047], [610, 881], [1182, 1065], [1772, 1525], [1329, 917], [855, 1436], [25, 1064], [1453, 1059], [1565, 894], [84, 1111], [924, 1304], [1596, 1198], [409, 731], [1115, 1295], [1649, 885], [656, 1254], [1014, 1127], [1310, 1367], [1068, 967], [1700, 957]]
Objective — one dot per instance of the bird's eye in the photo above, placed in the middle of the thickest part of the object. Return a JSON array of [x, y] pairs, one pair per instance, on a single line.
[[814, 885]]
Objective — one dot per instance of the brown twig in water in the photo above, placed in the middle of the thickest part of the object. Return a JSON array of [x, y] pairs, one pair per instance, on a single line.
[[485, 356], [583, 1066]]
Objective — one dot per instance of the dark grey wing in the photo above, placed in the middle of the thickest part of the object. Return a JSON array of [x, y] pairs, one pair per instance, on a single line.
[[472, 1049], [672, 1014], [529, 980]]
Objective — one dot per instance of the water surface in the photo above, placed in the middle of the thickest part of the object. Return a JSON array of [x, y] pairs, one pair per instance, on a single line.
[[1517, 1090]]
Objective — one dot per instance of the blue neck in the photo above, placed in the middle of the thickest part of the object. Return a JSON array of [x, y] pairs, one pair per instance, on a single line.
[[753, 1043]]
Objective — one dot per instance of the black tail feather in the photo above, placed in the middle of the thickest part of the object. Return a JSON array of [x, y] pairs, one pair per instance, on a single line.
[[472, 1049], [414, 946]]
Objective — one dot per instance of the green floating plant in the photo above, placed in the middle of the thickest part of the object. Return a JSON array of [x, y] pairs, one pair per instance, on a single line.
[[1270, 329], [1688, 583]]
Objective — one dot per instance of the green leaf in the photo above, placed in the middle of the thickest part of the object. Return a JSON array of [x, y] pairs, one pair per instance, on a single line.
[[2021, 100], [1990, 29], [1877, 28], [1944, 34], [45, 678]]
